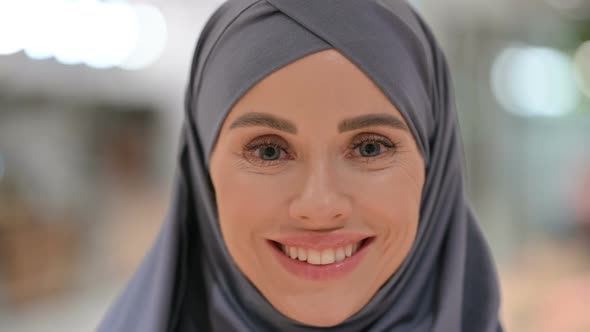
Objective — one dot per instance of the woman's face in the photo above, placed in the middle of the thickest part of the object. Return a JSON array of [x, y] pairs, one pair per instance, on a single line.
[[318, 183]]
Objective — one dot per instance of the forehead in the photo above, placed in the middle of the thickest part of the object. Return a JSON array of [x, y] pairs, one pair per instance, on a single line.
[[324, 86]]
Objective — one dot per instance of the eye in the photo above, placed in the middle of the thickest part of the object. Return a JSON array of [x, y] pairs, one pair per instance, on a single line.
[[272, 150], [266, 150], [371, 146]]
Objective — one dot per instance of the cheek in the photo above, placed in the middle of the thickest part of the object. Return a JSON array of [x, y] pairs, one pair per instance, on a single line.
[[248, 205], [393, 194], [243, 196], [389, 203]]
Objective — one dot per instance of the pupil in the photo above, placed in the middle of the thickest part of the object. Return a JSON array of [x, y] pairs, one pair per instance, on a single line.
[[371, 149], [269, 152]]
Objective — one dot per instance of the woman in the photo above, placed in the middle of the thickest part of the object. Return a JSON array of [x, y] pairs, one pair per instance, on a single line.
[[320, 184]]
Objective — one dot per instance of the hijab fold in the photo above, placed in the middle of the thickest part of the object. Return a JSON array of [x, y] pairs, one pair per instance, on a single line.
[[189, 282]]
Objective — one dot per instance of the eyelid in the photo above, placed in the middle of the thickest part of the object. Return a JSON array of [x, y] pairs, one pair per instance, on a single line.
[[371, 137], [271, 139]]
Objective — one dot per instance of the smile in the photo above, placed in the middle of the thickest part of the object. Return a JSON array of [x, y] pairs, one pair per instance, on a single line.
[[321, 256]]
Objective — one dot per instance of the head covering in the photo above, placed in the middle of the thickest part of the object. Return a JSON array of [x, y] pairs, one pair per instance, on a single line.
[[189, 282]]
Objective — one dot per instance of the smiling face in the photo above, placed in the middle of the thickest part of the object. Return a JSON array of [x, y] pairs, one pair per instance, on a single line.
[[318, 183]]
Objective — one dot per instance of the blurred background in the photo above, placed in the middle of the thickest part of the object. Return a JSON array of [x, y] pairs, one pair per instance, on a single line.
[[91, 103]]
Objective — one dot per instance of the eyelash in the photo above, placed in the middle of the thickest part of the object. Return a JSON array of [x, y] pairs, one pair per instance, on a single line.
[[250, 148]]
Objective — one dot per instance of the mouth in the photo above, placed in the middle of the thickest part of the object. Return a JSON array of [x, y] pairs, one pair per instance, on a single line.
[[316, 260], [322, 256]]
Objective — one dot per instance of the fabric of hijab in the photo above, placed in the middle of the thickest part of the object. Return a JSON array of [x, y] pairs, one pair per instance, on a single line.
[[188, 281]]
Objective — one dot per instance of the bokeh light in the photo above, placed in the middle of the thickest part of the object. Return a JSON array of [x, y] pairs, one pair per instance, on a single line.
[[12, 32], [535, 81], [151, 40], [43, 25], [99, 34]]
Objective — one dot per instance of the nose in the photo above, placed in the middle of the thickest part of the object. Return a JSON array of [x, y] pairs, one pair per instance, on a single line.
[[320, 203]]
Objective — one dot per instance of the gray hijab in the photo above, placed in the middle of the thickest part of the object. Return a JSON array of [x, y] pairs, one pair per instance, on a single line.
[[189, 282]]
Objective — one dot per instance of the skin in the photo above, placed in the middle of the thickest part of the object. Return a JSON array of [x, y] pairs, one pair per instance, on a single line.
[[315, 181]]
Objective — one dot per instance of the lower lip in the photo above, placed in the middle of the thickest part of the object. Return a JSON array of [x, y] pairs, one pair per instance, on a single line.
[[321, 272]]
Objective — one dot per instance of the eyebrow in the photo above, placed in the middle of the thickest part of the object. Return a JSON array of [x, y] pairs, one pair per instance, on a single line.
[[357, 122]]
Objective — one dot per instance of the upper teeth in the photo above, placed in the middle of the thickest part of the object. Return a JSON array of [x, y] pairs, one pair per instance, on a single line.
[[320, 257]]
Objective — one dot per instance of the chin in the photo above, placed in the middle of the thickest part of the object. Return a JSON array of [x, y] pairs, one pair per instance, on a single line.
[[321, 318], [320, 308]]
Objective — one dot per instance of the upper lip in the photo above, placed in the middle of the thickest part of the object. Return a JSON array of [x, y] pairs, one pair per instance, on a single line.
[[320, 241]]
